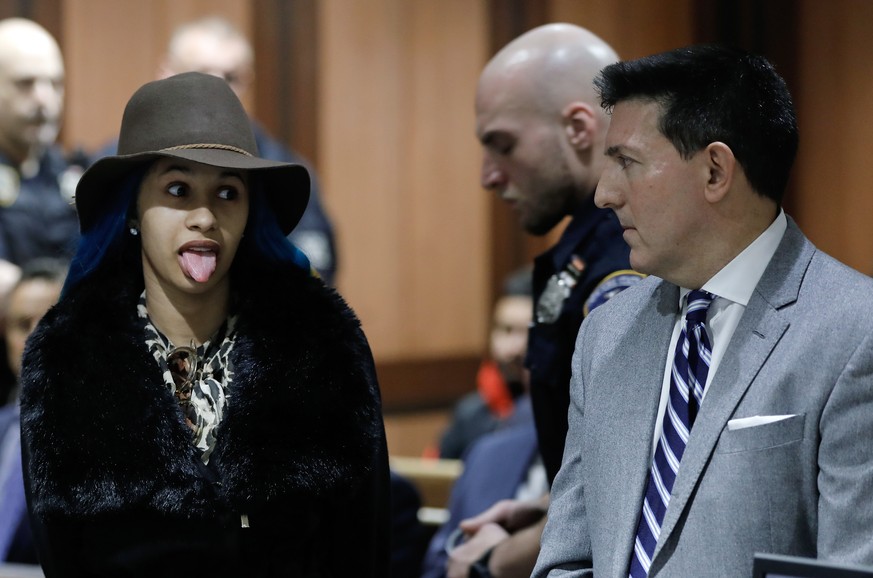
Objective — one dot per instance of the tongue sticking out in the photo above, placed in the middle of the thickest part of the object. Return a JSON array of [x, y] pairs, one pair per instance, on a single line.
[[199, 265]]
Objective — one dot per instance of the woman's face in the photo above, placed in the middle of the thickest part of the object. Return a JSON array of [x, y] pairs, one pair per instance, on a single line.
[[191, 218]]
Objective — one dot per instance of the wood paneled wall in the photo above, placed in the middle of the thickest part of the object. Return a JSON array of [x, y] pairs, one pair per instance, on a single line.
[[112, 47], [379, 93], [400, 164], [634, 28], [832, 184]]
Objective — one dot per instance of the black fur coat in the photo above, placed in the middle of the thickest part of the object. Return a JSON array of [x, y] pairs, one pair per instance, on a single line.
[[114, 484]]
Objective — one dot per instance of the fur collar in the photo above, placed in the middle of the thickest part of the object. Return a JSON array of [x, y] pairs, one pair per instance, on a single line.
[[104, 434]]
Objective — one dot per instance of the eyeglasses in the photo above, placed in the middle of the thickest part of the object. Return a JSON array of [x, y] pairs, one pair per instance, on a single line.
[[182, 362]]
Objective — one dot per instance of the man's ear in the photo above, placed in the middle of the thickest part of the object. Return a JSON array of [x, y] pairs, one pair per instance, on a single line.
[[581, 124], [720, 164]]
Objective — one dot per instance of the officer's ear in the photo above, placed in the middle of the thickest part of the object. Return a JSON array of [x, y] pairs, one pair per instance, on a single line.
[[581, 124]]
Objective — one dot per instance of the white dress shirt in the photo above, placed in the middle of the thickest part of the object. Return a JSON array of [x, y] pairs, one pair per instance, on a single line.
[[733, 286]]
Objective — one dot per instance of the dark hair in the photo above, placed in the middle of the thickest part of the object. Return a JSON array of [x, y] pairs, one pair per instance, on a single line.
[[712, 93], [108, 240], [104, 241], [263, 243], [50, 269]]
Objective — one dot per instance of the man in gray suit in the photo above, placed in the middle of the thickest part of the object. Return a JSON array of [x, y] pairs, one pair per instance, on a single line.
[[772, 452]]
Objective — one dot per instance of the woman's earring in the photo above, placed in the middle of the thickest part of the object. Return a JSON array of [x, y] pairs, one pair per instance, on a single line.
[[134, 231]]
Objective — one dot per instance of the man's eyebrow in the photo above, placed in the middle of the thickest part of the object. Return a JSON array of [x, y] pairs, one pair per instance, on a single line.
[[486, 138], [491, 136], [612, 151]]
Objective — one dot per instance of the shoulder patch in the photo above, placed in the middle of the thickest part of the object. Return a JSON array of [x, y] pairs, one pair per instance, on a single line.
[[609, 287]]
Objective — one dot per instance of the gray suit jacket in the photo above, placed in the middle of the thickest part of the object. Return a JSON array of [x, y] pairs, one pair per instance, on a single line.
[[800, 486]]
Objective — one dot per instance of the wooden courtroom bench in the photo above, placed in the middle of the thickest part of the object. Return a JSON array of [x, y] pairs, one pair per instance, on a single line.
[[433, 478]]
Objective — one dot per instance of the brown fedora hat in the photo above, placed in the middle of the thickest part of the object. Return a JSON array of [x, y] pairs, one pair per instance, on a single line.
[[196, 117]]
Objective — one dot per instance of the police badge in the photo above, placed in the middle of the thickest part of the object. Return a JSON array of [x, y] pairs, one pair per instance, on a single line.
[[558, 288]]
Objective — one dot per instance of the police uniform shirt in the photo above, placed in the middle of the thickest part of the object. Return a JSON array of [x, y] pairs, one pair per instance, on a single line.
[[37, 216], [589, 264]]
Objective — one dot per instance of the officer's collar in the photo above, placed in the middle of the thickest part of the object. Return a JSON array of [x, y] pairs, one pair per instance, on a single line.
[[585, 219]]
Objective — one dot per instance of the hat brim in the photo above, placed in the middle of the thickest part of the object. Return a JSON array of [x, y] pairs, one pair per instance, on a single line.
[[286, 185]]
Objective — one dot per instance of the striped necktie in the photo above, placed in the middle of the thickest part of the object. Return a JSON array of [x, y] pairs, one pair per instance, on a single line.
[[687, 380]]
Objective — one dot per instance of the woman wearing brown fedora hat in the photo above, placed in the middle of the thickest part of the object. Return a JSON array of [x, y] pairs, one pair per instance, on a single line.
[[199, 403]]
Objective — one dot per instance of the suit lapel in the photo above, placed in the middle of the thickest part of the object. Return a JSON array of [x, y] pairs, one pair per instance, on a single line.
[[638, 411], [761, 327]]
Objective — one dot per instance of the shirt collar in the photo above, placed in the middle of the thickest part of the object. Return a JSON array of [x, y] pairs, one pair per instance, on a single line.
[[737, 280]]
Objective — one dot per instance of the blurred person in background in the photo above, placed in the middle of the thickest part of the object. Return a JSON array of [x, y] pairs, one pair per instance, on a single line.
[[36, 291], [503, 462], [502, 377], [37, 218]]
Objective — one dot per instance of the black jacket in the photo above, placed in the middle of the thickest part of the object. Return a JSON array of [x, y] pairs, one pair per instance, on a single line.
[[115, 487]]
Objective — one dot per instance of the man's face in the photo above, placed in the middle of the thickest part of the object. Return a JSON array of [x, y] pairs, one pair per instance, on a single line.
[[31, 97], [655, 193], [26, 306], [524, 157], [206, 53], [509, 330]]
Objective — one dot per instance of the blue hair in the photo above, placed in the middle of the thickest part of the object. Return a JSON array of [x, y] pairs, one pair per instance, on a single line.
[[263, 244], [106, 237]]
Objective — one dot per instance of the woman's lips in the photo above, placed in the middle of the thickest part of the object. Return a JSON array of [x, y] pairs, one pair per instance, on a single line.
[[198, 259]]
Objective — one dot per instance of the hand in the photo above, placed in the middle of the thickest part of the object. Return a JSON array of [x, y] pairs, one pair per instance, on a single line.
[[461, 558], [512, 515]]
